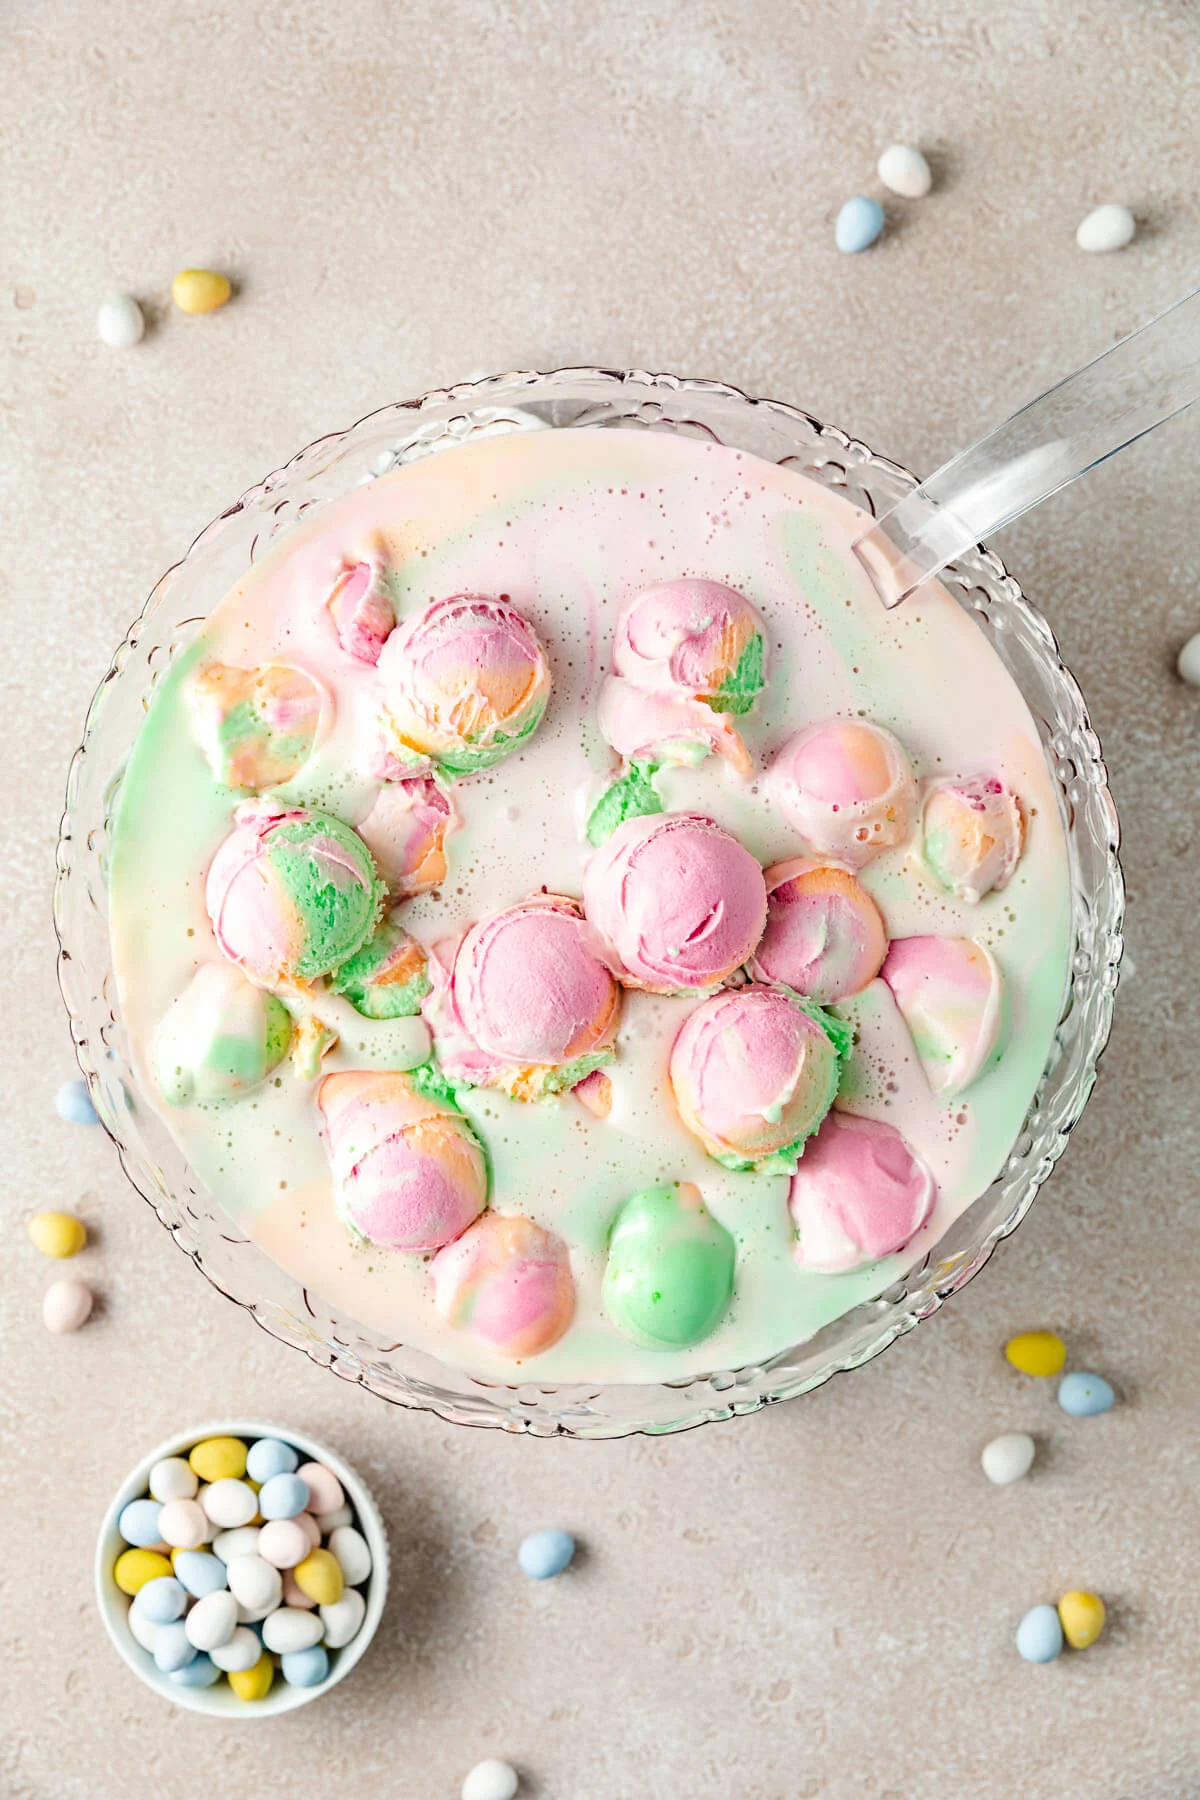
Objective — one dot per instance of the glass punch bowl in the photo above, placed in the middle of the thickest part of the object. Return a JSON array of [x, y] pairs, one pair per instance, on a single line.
[[575, 400]]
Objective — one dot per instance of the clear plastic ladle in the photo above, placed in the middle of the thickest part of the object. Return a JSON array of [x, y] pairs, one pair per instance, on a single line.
[[1112, 401]]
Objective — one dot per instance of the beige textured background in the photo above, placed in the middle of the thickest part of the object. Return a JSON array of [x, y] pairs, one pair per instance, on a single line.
[[815, 1602]]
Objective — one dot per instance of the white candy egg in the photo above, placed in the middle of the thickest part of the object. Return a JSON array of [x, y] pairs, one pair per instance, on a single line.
[[254, 1583], [288, 1630], [1106, 228], [330, 1521], [242, 1542], [241, 1652], [491, 1780], [229, 1502], [173, 1479], [351, 1554], [119, 322], [343, 1619], [212, 1621], [1008, 1458], [1188, 664], [904, 170]]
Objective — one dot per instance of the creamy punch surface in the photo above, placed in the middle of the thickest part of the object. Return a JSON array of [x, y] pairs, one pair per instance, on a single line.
[[571, 926]]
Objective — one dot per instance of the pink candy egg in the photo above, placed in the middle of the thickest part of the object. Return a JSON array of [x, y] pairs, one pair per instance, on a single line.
[[326, 1493], [859, 1193], [409, 1173], [847, 787], [950, 994], [362, 611], [824, 936], [971, 835], [283, 1543], [676, 903], [508, 1282], [406, 831]]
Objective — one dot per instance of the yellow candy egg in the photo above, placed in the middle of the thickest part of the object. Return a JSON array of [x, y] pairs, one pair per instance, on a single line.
[[319, 1577], [57, 1233], [200, 290], [1036, 1353], [134, 1568], [219, 1459], [255, 1683], [1082, 1618]]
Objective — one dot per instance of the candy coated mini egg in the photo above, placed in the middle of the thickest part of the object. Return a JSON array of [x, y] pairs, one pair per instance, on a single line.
[[134, 1568], [1188, 661], [142, 1630], [74, 1104], [859, 224], [1040, 1635], [1006, 1459], [282, 1497], [305, 1668], [243, 1541], [162, 1600], [294, 1596], [200, 290], [905, 170], [270, 1456], [240, 1653], [66, 1305], [182, 1524], [325, 1490], [1083, 1395], [310, 1527], [201, 1672], [173, 1479], [212, 1621], [288, 1629], [173, 1648], [343, 1619], [253, 1683], [57, 1233], [491, 1780], [349, 1548], [138, 1523], [1036, 1353], [544, 1554], [120, 322], [254, 1583], [284, 1543], [320, 1576], [219, 1459], [229, 1503], [1106, 228], [1082, 1616], [327, 1522], [199, 1571]]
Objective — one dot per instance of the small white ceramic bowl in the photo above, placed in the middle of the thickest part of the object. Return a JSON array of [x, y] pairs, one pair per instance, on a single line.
[[220, 1701]]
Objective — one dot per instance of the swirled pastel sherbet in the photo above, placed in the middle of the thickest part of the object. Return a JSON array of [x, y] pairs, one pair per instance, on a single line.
[[971, 835], [257, 727], [665, 728], [847, 787], [754, 1070], [859, 1193], [220, 1038], [692, 638], [824, 936], [669, 1275], [408, 1171], [676, 903], [406, 830], [465, 683], [362, 611], [949, 992], [525, 1004], [291, 893], [389, 977], [508, 1282]]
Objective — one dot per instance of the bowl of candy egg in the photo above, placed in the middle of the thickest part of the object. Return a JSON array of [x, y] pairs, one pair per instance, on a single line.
[[241, 1569]]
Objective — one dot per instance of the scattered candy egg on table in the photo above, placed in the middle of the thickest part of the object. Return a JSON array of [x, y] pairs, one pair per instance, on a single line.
[[173, 1479], [544, 1554], [74, 1104], [200, 290], [1036, 1353], [66, 1305], [1082, 1616], [120, 322], [491, 1780], [905, 170], [1106, 228], [1084, 1395], [859, 224], [138, 1524], [57, 1234], [305, 1668], [1188, 662], [1040, 1635], [219, 1459], [1007, 1459]]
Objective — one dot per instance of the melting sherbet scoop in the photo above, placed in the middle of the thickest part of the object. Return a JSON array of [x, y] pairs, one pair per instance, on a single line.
[[860, 1193], [670, 1268], [508, 1282]]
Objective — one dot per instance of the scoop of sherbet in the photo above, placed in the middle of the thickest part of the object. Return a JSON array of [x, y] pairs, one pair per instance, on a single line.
[[824, 936], [972, 834], [670, 1266], [256, 727], [291, 893], [406, 830], [676, 903], [754, 1070], [508, 1282], [847, 787], [632, 795], [859, 1193], [220, 1038], [408, 1171], [693, 638], [362, 611], [389, 977], [665, 728], [949, 993], [465, 683]]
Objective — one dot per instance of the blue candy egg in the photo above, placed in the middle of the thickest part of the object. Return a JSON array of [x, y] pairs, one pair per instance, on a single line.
[[545, 1553], [201, 1672], [161, 1600], [200, 1572], [282, 1497], [305, 1668], [1040, 1635], [138, 1523], [74, 1104], [858, 225], [171, 1648], [270, 1457], [1083, 1395]]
